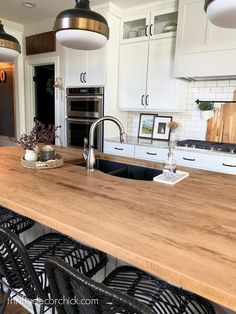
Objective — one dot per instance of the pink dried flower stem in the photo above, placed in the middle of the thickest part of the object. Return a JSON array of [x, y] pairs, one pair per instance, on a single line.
[[28, 141], [46, 135], [39, 134]]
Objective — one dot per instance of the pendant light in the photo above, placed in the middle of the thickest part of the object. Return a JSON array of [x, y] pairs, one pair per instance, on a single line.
[[81, 28], [9, 46], [221, 12]]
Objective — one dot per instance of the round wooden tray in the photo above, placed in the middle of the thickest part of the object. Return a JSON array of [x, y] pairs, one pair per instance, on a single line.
[[49, 164]]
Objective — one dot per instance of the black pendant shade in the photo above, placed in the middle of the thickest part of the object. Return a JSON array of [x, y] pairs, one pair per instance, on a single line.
[[9, 46], [81, 28]]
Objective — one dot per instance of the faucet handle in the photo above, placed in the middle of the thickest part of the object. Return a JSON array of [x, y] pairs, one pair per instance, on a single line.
[[85, 152], [123, 137]]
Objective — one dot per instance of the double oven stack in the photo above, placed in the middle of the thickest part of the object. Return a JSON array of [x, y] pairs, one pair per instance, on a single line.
[[84, 106]]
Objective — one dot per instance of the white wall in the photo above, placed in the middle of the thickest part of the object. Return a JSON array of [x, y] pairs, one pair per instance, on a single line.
[[192, 126]]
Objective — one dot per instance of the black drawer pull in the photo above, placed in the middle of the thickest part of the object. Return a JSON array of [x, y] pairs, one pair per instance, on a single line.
[[118, 148], [226, 165], [189, 159], [152, 154]]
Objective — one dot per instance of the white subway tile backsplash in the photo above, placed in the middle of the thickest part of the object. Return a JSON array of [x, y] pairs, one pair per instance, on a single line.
[[192, 126], [217, 90], [200, 84], [223, 83], [212, 83]]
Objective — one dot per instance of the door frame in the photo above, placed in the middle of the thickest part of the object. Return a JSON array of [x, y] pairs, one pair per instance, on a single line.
[[30, 88]]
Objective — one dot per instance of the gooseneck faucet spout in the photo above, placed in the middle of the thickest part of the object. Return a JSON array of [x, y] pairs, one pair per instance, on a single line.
[[90, 158]]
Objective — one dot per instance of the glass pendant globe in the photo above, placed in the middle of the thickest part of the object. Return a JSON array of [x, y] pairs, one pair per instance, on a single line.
[[80, 39], [222, 13]]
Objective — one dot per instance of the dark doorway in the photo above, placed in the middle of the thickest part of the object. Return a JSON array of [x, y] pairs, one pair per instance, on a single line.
[[7, 116], [44, 94]]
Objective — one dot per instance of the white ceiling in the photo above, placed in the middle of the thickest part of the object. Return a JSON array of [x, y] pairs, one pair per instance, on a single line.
[[13, 10]]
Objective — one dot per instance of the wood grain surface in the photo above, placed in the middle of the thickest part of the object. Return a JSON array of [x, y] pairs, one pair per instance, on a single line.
[[185, 233], [222, 127]]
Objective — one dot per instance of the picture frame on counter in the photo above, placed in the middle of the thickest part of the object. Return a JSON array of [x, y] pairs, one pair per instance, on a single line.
[[146, 122], [161, 130]]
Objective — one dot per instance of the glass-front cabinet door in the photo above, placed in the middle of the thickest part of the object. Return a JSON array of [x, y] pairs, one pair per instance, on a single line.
[[163, 24], [135, 28]]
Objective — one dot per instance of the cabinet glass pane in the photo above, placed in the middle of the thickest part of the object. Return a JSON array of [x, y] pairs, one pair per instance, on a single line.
[[165, 23], [132, 29]]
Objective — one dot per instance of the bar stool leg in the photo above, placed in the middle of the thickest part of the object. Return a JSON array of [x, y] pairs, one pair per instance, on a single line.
[[41, 311], [4, 302]]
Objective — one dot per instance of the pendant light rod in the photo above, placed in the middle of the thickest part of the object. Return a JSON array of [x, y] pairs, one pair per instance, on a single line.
[[82, 4]]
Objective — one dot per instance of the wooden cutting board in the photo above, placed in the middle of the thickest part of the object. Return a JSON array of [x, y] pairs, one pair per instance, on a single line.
[[222, 127]]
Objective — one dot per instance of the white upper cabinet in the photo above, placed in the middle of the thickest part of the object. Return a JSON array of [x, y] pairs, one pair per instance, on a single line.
[[162, 87], [85, 67], [146, 81], [135, 28], [158, 24], [202, 49], [132, 75]]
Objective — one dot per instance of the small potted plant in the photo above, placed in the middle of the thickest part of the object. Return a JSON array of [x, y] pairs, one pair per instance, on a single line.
[[207, 109], [47, 135], [29, 143]]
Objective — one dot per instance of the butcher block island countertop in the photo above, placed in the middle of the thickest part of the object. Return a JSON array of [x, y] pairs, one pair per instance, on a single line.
[[185, 233]]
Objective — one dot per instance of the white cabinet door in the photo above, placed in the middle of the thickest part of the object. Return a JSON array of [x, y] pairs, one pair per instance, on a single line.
[[162, 87], [163, 23], [76, 66], [132, 75], [121, 149], [96, 67], [224, 164], [191, 159], [85, 67], [212, 162], [135, 28], [202, 49], [151, 153]]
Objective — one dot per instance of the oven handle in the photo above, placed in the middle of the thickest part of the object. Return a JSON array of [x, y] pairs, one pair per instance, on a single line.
[[83, 97], [80, 120]]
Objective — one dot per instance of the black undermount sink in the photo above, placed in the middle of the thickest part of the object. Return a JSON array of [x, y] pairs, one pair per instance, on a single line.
[[124, 170]]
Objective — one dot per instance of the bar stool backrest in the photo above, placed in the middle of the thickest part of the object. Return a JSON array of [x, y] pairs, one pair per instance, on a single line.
[[73, 293], [16, 266]]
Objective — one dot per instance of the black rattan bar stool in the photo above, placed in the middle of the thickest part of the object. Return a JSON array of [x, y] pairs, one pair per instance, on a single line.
[[23, 266], [126, 290], [13, 221], [83, 295]]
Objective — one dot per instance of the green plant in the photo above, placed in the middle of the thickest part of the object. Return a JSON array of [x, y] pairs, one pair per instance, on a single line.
[[206, 105]]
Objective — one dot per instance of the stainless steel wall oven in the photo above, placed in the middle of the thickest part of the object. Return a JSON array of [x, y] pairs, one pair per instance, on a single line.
[[84, 106]]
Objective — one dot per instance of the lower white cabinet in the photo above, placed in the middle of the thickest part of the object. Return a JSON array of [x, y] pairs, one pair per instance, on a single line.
[[121, 149], [194, 159], [224, 164], [191, 159], [211, 161], [151, 153]]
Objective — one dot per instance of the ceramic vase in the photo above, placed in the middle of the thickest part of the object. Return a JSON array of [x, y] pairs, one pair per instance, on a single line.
[[31, 155], [47, 152], [207, 114]]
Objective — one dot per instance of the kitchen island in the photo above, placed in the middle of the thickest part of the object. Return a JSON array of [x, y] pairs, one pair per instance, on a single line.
[[185, 234]]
